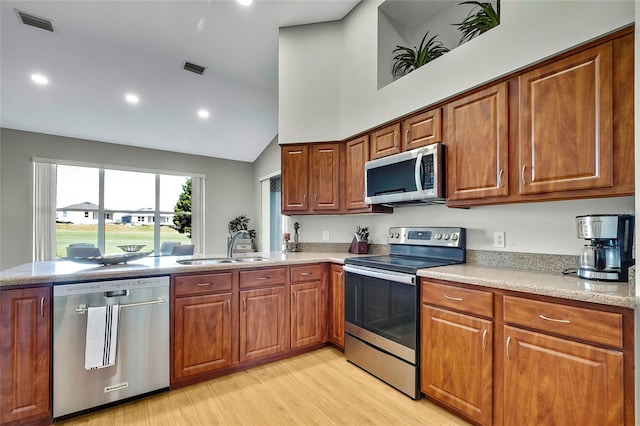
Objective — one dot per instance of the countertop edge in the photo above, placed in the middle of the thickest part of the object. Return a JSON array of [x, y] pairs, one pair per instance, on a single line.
[[522, 281]]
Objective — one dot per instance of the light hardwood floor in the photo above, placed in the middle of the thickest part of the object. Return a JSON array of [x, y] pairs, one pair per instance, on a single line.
[[318, 388]]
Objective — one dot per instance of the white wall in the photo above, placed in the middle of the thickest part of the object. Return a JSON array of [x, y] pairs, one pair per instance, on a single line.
[[529, 32], [531, 228], [309, 81], [229, 184]]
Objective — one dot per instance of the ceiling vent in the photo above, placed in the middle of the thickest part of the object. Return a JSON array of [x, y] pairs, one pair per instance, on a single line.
[[34, 21], [194, 68]]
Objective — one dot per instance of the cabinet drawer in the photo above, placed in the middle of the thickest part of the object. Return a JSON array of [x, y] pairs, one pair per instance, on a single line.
[[577, 323], [475, 302], [298, 274], [192, 285], [262, 277]]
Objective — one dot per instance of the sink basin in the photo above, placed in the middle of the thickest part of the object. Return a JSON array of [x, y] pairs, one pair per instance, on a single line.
[[219, 260], [250, 259]]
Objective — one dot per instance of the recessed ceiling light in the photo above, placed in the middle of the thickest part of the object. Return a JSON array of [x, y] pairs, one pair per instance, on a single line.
[[203, 113], [39, 79], [131, 98], [245, 2]]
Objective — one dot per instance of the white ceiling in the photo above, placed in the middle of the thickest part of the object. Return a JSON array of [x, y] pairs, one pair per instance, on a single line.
[[101, 50]]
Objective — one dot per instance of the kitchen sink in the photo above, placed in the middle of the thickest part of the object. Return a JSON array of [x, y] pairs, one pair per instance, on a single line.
[[220, 260]]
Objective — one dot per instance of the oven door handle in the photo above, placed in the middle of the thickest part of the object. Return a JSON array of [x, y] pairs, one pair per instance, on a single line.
[[383, 275]]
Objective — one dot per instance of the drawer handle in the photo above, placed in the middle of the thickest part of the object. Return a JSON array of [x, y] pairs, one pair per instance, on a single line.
[[306, 273], [555, 320], [204, 284], [457, 299], [484, 339], [264, 278], [507, 347]]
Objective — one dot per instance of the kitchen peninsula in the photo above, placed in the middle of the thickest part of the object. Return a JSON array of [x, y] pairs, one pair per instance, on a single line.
[[306, 288]]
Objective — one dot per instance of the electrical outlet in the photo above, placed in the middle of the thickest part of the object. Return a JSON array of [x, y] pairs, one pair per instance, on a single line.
[[325, 235], [498, 240]]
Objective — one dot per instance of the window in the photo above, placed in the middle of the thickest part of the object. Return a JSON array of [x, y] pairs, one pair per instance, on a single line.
[[84, 193]]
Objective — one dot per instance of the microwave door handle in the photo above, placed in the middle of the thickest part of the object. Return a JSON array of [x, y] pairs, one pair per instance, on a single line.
[[418, 172]]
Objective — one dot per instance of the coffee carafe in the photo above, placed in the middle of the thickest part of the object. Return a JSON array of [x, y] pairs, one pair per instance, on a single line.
[[609, 253]]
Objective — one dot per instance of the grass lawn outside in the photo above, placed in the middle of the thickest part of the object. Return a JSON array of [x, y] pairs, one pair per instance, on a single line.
[[115, 235]]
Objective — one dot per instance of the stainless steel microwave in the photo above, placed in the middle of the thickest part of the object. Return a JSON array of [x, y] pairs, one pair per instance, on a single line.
[[411, 177]]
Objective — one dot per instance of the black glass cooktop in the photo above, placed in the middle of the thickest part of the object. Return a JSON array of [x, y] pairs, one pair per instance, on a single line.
[[406, 264]]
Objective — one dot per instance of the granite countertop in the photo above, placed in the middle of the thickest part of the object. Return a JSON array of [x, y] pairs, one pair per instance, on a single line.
[[65, 271], [552, 284]]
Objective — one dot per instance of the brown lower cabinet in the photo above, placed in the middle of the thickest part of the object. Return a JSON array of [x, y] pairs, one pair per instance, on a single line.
[[549, 380], [336, 306], [262, 322], [25, 355], [503, 358], [307, 322], [457, 350]]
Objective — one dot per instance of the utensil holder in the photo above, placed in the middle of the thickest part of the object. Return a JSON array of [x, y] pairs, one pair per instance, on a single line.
[[358, 247]]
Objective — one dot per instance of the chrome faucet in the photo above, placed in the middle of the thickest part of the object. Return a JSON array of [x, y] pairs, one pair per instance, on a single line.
[[231, 240]]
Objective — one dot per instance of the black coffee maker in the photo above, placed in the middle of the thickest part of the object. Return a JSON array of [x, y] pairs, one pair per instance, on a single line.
[[609, 253]]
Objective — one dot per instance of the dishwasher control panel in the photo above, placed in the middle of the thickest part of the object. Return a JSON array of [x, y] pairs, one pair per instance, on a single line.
[[70, 289]]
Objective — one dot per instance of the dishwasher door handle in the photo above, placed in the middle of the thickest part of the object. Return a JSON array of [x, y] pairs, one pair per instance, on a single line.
[[82, 309]]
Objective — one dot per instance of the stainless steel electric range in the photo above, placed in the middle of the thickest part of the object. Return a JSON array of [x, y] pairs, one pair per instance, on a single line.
[[382, 302]]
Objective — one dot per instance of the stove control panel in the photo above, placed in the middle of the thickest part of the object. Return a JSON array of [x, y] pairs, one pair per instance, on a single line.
[[428, 236]]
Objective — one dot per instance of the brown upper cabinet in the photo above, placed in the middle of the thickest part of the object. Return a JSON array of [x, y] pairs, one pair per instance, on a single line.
[[422, 129], [566, 113], [311, 178], [356, 154], [477, 145], [295, 178], [385, 141]]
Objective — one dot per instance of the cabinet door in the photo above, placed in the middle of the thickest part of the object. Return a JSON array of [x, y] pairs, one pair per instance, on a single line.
[[566, 124], [422, 129], [325, 176], [477, 145], [336, 333], [202, 333], [456, 359], [25, 348], [385, 141], [356, 154], [306, 314], [295, 183], [262, 323], [556, 381]]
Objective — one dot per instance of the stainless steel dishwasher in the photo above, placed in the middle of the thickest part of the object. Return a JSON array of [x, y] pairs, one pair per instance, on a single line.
[[138, 337]]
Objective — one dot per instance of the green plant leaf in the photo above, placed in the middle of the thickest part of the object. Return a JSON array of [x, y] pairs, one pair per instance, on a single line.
[[407, 59], [481, 18]]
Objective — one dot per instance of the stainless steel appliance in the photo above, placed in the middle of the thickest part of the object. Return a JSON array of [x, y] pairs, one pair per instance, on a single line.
[[138, 340], [411, 177], [610, 250], [382, 302]]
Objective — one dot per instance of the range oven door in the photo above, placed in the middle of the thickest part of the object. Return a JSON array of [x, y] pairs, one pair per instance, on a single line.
[[381, 309]]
